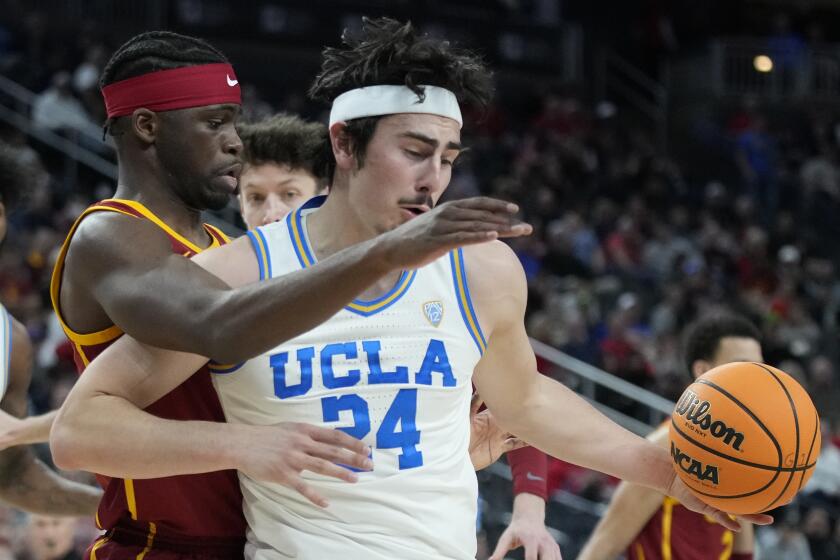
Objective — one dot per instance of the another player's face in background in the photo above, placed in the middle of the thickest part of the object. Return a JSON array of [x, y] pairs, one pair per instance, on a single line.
[[733, 349], [268, 192], [200, 150], [50, 537], [407, 167]]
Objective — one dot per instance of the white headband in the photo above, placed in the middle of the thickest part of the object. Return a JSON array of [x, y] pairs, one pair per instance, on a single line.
[[373, 101]]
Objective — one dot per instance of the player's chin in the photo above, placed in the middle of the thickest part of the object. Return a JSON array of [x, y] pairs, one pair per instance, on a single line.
[[215, 199]]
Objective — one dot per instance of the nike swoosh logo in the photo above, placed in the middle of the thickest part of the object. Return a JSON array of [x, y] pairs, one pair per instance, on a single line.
[[231, 83], [531, 476]]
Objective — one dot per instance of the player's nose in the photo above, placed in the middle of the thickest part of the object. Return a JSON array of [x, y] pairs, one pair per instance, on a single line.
[[275, 209]]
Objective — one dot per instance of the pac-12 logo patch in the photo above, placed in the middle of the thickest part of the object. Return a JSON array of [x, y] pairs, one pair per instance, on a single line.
[[433, 310]]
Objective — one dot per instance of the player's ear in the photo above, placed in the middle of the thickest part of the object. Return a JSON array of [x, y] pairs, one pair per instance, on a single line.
[[342, 146], [144, 125]]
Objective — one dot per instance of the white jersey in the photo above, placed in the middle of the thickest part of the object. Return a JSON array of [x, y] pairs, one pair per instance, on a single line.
[[395, 372], [6, 346]]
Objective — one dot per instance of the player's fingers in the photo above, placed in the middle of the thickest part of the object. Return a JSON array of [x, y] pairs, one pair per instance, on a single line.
[[320, 466], [338, 438], [504, 545], [532, 549], [475, 404], [486, 204], [551, 550], [518, 229], [757, 518], [340, 455], [307, 492], [726, 521], [513, 443], [463, 238]]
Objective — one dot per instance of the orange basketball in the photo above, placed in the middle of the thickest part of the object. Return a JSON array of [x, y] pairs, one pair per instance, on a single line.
[[745, 437]]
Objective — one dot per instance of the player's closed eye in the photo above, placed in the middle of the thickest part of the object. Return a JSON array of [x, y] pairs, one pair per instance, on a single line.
[[291, 195], [255, 198]]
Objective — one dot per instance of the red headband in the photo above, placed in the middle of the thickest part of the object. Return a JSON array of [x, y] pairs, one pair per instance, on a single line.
[[179, 88]]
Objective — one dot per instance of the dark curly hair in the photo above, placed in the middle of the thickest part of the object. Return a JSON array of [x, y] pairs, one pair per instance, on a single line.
[[389, 52], [157, 50], [15, 176], [702, 338], [288, 140]]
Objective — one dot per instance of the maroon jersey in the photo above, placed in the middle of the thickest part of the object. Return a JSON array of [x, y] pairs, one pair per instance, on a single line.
[[677, 533], [202, 509]]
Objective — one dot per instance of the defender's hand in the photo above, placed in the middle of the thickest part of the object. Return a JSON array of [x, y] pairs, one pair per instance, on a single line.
[[453, 224]]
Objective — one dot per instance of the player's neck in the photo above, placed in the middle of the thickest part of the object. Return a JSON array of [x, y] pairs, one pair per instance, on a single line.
[[334, 226], [144, 186]]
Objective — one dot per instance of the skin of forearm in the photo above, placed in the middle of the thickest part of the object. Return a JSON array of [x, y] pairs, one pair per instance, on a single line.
[[139, 445], [29, 484], [530, 507], [579, 434], [34, 429], [294, 304]]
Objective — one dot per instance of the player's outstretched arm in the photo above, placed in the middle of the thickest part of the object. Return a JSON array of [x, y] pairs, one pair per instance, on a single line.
[[522, 400], [26, 482], [164, 300], [629, 511]]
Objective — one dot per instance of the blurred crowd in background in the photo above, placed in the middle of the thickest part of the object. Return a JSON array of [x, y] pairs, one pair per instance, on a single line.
[[630, 245]]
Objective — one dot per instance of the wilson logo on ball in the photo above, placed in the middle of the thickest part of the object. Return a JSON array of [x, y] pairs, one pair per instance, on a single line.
[[699, 413], [694, 467]]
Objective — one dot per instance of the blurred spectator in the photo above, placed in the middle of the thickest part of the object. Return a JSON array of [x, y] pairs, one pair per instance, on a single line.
[[57, 109], [826, 477], [783, 540], [49, 538]]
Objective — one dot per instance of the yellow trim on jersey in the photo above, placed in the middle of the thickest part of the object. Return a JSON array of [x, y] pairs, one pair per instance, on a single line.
[[129, 497], [640, 552], [96, 519], [263, 254], [406, 282], [667, 517], [98, 544], [221, 234], [112, 332], [162, 225], [87, 339], [465, 306], [149, 540], [298, 241], [81, 352]]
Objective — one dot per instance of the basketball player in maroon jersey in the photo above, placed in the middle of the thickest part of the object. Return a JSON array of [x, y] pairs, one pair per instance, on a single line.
[[285, 164], [646, 525], [25, 482], [172, 102]]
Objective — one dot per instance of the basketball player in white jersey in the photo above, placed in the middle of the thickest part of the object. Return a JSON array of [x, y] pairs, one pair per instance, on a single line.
[[25, 482], [393, 368]]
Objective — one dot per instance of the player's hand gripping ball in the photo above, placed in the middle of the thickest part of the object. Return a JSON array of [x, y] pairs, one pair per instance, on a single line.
[[745, 437]]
